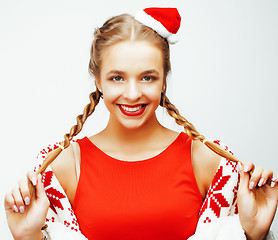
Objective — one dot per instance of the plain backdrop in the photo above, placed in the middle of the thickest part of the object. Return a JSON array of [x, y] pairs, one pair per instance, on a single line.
[[224, 76]]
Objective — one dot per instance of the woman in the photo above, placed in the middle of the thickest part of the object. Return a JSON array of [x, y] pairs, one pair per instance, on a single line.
[[138, 179]]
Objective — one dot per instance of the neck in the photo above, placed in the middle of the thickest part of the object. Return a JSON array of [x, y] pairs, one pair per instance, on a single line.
[[130, 136]]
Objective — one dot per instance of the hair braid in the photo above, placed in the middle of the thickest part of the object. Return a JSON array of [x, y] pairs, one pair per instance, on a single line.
[[191, 130], [180, 120], [193, 133], [88, 110]]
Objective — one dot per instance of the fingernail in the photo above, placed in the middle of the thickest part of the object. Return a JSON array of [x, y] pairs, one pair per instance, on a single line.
[[251, 185], [261, 182], [15, 209], [34, 181], [27, 200], [21, 209], [274, 179], [246, 169], [239, 166]]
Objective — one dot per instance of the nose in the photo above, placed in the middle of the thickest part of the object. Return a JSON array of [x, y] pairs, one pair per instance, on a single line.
[[132, 91]]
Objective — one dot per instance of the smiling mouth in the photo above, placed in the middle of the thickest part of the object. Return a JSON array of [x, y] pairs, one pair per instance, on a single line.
[[132, 111]]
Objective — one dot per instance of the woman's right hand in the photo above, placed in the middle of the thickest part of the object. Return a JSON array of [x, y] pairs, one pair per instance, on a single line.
[[26, 218], [256, 205]]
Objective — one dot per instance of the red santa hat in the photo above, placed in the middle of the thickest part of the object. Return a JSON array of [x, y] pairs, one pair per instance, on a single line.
[[165, 21]]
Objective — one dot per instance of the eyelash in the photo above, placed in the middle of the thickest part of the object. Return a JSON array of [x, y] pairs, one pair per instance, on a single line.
[[151, 78], [113, 78]]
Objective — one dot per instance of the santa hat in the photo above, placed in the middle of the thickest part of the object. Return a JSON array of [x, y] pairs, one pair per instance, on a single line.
[[165, 21]]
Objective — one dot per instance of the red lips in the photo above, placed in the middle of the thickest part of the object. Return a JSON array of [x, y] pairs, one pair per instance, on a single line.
[[132, 113]]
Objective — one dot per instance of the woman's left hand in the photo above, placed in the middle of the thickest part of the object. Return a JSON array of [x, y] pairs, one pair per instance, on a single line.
[[257, 201]]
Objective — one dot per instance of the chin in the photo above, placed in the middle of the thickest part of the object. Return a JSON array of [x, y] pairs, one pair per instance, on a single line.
[[133, 125]]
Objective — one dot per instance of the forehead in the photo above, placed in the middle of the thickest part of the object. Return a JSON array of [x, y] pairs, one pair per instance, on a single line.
[[130, 56]]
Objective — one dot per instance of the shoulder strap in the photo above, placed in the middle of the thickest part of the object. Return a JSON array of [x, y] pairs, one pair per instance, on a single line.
[[76, 151]]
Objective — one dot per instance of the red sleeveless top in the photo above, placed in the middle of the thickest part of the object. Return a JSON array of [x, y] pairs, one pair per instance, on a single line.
[[152, 199]]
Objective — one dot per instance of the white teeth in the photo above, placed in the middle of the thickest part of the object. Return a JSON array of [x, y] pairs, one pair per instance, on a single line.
[[131, 109]]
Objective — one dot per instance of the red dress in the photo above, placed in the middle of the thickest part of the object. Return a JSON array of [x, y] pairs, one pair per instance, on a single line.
[[152, 199]]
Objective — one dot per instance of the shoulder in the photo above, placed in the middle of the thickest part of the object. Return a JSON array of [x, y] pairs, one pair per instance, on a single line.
[[205, 163], [64, 168]]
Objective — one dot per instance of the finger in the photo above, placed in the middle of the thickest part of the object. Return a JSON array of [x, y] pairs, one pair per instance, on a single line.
[[275, 188], [40, 193], [24, 190], [248, 166], [18, 200], [266, 177], [275, 179], [9, 203], [243, 182], [255, 177], [32, 176]]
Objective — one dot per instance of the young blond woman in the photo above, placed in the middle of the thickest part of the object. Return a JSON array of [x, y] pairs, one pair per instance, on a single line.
[[137, 179]]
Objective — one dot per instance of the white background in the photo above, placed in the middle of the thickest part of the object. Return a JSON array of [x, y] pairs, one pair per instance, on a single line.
[[224, 80]]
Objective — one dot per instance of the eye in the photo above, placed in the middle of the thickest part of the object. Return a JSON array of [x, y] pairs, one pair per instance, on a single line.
[[148, 78], [117, 79]]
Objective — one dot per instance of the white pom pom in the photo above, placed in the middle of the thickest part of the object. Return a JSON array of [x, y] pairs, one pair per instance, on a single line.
[[173, 38]]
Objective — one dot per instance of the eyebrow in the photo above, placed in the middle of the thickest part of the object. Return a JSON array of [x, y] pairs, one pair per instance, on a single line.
[[122, 73], [150, 72], [114, 72]]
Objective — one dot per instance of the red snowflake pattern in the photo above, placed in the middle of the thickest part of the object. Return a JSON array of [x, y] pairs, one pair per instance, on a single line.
[[66, 223], [207, 220], [75, 229], [225, 147], [53, 195], [71, 212], [74, 222], [215, 201], [52, 219], [232, 164], [235, 190], [236, 209], [47, 179]]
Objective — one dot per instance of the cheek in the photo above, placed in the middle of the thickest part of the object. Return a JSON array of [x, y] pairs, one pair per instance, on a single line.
[[109, 96], [154, 92], [111, 93]]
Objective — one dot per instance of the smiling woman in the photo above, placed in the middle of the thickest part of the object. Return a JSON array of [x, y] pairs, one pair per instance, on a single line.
[[137, 178], [132, 94]]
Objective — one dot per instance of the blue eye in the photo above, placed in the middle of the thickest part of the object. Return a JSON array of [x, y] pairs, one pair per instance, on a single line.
[[148, 78], [117, 79]]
